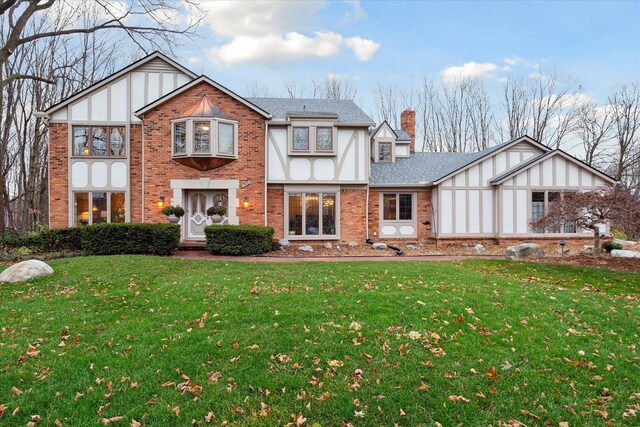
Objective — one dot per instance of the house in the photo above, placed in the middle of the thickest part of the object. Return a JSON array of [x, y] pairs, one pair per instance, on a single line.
[[155, 134]]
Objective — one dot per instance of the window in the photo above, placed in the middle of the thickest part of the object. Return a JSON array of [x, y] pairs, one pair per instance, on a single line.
[[300, 139], [98, 207], [312, 214], [201, 137], [204, 138], [541, 202], [397, 207], [384, 151], [99, 141], [324, 141]]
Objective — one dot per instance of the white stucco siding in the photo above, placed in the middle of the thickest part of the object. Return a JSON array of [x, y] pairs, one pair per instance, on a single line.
[[522, 216], [507, 211], [474, 211], [446, 212], [487, 211], [461, 211]]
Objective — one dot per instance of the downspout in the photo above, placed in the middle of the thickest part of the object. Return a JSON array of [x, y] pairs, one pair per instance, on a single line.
[[266, 165], [142, 166], [367, 215]]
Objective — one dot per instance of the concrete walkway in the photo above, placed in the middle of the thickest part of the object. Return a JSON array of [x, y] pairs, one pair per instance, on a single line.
[[203, 255]]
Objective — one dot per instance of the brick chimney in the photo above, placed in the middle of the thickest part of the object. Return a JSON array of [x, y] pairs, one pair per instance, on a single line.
[[408, 124]]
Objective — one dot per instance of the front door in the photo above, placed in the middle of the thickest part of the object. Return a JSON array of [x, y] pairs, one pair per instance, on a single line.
[[197, 204]]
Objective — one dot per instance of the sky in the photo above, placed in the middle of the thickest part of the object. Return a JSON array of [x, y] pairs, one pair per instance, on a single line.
[[244, 44]]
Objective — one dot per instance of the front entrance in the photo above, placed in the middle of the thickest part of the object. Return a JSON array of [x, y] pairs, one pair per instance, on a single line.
[[198, 201]]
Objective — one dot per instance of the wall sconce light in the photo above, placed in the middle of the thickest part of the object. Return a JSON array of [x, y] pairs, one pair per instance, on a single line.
[[161, 202], [427, 225], [245, 202]]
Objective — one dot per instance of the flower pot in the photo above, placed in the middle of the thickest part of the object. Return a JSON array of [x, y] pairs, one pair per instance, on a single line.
[[173, 219], [216, 219]]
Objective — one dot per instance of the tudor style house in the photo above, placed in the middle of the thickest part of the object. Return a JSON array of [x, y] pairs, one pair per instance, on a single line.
[[155, 134]]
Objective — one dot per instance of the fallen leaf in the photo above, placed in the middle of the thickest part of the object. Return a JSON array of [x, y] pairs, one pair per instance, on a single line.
[[455, 398]]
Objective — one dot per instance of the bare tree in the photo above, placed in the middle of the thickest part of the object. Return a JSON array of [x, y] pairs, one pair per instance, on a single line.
[[625, 104], [589, 210], [331, 88], [517, 106], [594, 128], [150, 24]]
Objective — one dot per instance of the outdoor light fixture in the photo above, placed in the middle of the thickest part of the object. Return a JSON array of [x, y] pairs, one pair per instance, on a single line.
[[562, 243], [161, 202], [245, 202], [427, 225]]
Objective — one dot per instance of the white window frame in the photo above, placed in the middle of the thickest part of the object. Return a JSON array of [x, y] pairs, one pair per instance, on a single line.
[[213, 135], [391, 153], [90, 206], [303, 193]]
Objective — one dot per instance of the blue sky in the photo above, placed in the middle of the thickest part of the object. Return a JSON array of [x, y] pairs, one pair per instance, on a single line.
[[597, 43]]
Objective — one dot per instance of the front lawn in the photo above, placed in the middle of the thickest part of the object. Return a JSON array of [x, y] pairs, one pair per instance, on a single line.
[[165, 341]]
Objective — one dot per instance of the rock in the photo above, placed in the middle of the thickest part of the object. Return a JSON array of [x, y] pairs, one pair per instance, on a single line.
[[587, 250], [327, 245], [413, 245], [352, 244], [623, 253], [25, 270], [562, 251], [305, 248], [479, 249], [283, 242], [379, 245], [524, 251]]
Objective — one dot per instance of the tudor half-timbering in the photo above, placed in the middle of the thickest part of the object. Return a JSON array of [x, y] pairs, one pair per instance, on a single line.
[[155, 134]]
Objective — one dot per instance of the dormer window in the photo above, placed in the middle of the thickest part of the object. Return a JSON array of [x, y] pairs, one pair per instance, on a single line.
[[301, 139], [384, 151], [204, 137]]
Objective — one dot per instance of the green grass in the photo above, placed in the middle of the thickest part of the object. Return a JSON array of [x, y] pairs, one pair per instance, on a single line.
[[521, 341]]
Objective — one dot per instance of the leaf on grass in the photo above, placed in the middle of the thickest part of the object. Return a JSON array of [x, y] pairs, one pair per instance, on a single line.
[[423, 386], [209, 417], [16, 391], [455, 398], [481, 395], [167, 384], [135, 423], [214, 377], [111, 420], [335, 363]]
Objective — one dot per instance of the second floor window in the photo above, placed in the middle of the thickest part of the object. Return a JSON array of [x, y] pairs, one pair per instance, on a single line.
[[312, 140], [384, 152], [215, 138], [99, 141]]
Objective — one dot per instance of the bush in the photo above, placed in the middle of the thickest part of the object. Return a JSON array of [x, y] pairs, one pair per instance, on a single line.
[[609, 246], [619, 234], [238, 239], [31, 241], [131, 238], [62, 239]]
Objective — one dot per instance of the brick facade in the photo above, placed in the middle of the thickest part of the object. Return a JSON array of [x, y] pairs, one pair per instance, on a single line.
[[353, 213], [424, 214], [58, 175], [275, 211], [135, 173], [159, 168]]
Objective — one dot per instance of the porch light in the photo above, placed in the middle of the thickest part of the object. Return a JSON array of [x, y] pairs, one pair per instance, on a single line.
[[245, 202], [161, 202], [85, 151], [427, 225]]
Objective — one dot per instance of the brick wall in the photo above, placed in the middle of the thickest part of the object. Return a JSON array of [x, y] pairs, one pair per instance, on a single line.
[[135, 172], [275, 211], [353, 215], [424, 214], [159, 168], [58, 175]]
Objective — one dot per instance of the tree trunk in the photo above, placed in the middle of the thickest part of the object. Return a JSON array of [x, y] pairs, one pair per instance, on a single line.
[[596, 241]]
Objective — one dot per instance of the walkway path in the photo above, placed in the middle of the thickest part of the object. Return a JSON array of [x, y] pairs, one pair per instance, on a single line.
[[205, 255]]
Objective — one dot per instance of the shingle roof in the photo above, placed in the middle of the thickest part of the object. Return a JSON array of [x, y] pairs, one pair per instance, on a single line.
[[424, 167], [204, 108], [280, 108], [402, 135]]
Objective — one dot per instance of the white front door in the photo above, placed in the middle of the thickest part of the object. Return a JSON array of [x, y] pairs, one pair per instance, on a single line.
[[198, 202]]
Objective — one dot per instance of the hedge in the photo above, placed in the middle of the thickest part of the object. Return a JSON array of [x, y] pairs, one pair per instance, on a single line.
[[131, 238], [238, 239], [101, 239]]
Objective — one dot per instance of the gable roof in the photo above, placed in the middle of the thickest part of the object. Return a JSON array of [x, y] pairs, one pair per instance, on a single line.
[[204, 108], [537, 159], [481, 155], [280, 108], [118, 74], [195, 82], [400, 134]]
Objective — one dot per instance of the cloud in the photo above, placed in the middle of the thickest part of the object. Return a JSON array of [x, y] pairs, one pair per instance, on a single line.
[[337, 76], [515, 61], [277, 33], [468, 70], [356, 13]]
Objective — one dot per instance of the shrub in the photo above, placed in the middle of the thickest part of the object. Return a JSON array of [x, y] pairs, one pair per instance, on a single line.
[[238, 239], [131, 238], [609, 246], [216, 210], [31, 241], [62, 239], [619, 234]]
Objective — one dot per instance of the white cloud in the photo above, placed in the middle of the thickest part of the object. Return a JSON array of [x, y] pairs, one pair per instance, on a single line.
[[468, 70], [336, 76], [277, 32], [356, 13]]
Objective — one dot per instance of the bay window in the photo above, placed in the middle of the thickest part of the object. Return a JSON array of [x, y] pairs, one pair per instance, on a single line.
[[99, 141], [98, 207], [312, 214], [204, 138]]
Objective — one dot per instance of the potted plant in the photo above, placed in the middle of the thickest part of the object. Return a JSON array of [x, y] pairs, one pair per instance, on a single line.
[[216, 213], [173, 213]]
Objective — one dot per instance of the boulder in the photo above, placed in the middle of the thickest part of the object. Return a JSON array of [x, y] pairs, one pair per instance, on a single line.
[[283, 242], [479, 249], [524, 251], [622, 253], [352, 244], [413, 245], [327, 245], [25, 270], [305, 248], [379, 245], [587, 250]]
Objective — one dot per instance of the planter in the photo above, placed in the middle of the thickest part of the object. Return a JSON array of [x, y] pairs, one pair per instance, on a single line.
[[173, 219], [216, 219]]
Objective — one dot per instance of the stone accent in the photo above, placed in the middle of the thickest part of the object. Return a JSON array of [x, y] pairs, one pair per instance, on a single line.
[[479, 249], [327, 245], [524, 251], [621, 253], [379, 245], [25, 270], [305, 248], [283, 242]]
